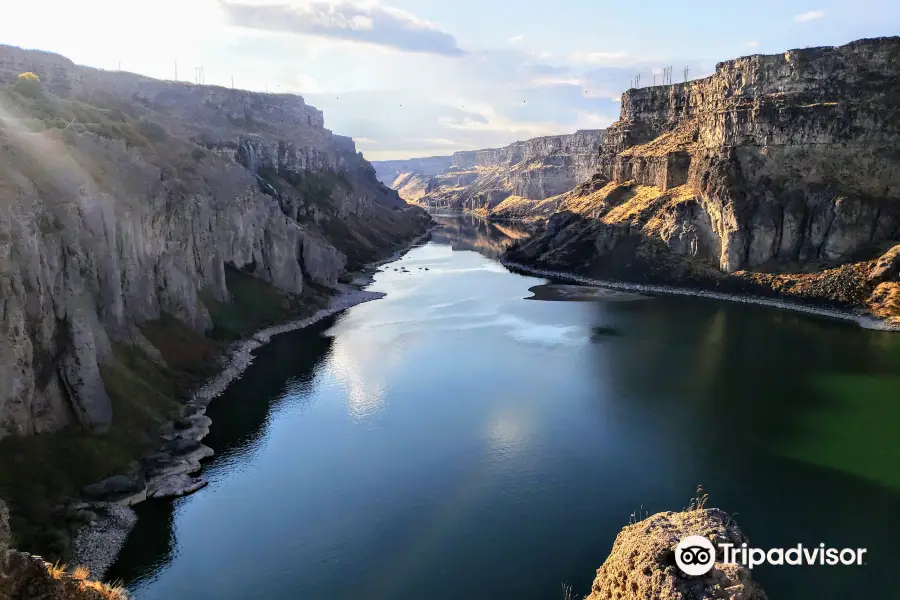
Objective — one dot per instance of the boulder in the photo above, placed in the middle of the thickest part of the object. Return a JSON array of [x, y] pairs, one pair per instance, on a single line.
[[115, 485], [642, 565]]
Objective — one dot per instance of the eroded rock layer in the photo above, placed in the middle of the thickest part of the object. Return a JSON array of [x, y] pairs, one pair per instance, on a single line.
[[522, 172], [123, 198], [775, 164]]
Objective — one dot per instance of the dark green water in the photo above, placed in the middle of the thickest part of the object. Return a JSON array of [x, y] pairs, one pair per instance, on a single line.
[[457, 441]]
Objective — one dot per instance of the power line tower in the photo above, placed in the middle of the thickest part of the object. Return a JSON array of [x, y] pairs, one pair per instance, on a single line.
[[667, 75], [686, 69]]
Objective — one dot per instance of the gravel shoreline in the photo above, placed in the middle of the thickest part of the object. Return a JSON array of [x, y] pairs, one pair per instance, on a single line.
[[865, 321], [98, 543]]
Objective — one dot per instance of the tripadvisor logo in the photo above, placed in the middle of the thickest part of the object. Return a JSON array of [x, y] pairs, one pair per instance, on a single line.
[[695, 555]]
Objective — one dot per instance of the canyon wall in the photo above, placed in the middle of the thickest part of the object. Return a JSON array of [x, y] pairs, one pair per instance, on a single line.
[[774, 163], [388, 171], [522, 172], [123, 198]]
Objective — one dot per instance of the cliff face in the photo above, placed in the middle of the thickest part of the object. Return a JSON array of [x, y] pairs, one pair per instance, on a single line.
[[521, 173], [773, 163], [123, 198], [389, 170]]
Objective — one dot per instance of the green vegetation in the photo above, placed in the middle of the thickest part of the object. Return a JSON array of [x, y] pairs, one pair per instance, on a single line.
[[37, 472], [46, 111], [190, 355], [256, 304], [315, 187]]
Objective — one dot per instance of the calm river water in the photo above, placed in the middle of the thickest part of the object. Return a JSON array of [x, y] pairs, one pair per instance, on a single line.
[[458, 440]]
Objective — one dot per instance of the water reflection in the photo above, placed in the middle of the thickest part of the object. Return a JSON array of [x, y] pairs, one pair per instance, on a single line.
[[466, 232], [283, 370]]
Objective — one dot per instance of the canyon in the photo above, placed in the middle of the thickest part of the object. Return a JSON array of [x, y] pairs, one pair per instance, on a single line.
[[480, 180], [147, 227], [778, 175]]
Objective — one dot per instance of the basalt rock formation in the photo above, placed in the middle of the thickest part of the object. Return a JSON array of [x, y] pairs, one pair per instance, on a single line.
[[388, 171], [642, 565], [135, 214], [124, 197], [519, 174], [782, 169]]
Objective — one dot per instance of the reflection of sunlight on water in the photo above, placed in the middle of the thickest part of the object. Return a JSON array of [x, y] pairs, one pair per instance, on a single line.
[[351, 366], [508, 429], [548, 335]]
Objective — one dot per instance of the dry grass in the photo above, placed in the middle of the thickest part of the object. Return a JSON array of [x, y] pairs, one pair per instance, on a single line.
[[679, 139], [75, 585], [885, 302]]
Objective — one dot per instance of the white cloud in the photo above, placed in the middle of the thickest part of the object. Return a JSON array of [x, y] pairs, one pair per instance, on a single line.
[[809, 16], [491, 121], [602, 58], [589, 120], [351, 20], [516, 38], [552, 81], [753, 44]]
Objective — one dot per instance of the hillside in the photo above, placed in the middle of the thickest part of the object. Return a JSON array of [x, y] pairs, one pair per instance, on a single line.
[[143, 226]]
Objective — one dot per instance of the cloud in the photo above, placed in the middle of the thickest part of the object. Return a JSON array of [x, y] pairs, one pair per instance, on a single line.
[[554, 81], [602, 58], [349, 20], [516, 38], [809, 16], [751, 44]]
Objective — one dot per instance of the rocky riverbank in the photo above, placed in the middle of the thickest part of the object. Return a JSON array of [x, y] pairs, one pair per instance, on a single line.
[[172, 470], [863, 319]]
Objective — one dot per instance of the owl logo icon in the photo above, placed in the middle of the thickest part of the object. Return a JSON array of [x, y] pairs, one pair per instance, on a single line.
[[695, 555]]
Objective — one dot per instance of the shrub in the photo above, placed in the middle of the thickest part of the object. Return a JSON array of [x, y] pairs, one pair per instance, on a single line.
[[29, 84], [152, 131]]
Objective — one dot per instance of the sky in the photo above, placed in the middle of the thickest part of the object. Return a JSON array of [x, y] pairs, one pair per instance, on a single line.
[[409, 78]]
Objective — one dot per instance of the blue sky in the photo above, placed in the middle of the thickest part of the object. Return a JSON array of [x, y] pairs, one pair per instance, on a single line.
[[425, 77]]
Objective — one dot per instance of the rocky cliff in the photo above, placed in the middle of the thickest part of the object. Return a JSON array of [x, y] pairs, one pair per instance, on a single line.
[[773, 165], [125, 197], [388, 171], [519, 174], [131, 207]]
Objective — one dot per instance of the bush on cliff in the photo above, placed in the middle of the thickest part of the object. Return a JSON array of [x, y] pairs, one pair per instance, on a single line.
[[29, 84]]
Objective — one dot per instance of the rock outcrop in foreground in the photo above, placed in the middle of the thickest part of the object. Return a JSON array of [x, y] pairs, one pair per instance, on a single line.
[[781, 169], [27, 577], [642, 565], [484, 181]]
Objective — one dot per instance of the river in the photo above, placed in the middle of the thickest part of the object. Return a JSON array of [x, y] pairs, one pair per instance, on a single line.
[[483, 434]]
